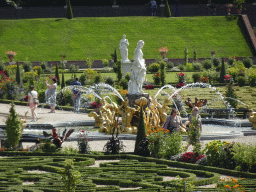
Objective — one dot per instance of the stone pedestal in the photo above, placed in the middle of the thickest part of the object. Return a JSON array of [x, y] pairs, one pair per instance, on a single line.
[[126, 67], [133, 97]]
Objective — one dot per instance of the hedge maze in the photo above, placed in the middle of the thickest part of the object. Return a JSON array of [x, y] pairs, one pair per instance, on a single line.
[[19, 172]]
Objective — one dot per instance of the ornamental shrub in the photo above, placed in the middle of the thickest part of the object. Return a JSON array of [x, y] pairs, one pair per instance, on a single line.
[[154, 67], [157, 78], [13, 128], [197, 66], [72, 68], [170, 65], [62, 80], [186, 56], [162, 73], [189, 67], [124, 83], [65, 97], [251, 74], [247, 62], [244, 156], [216, 61], [18, 74], [27, 66], [62, 65], [110, 81], [241, 81], [231, 60], [70, 176], [2, 65], [222, 72], [127, 76], [83, 78], [98, 79], [212, 150], [196, 76], [118, 70], [57, 74], [105, 63], [230, 92], [113, 146], [207, 64], [141, 130]]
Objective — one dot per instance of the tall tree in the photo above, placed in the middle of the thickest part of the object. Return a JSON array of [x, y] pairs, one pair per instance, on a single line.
[[57, 74], [141, 131], [115, 56], [18, 75], [167, 12], [69, 11], [222, 72], [62, 81]]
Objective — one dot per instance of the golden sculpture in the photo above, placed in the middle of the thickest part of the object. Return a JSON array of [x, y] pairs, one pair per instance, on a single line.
[[127, 113], [252, 118], [98, 119]]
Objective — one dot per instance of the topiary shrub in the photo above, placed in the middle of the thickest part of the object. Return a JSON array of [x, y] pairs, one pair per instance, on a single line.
[[231, 60], [154, 67], [197, 66], [216, 61], [196, 76], [65, 97], [97, 79], [141, 133], [83, 78], [170, 65], [124, 83], [207, 64], [127, 76], [72, 68], [167, 12], [27, 66], [69, 11], [251, 73], [247, 62], [13, 128], [189, 67], [241, 81], [110, 81]]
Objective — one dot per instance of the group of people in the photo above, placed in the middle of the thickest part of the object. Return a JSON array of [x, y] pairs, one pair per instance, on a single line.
[[50, 97], [174, 123]]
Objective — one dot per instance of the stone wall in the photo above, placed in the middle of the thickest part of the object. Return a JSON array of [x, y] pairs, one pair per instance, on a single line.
[[122, 10]]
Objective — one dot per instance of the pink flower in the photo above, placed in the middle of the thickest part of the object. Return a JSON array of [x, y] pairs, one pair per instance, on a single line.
[[181, 74], [82, 131]]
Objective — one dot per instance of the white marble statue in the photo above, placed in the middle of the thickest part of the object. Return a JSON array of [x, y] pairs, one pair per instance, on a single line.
[[138, 71], [123, 49]]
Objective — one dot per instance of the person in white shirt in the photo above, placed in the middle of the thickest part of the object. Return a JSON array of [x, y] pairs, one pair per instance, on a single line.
[[31, 96]]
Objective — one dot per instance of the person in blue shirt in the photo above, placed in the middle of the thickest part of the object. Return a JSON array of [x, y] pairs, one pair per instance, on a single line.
[[76, 95]]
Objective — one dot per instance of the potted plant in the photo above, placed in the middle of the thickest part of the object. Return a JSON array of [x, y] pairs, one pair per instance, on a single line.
[[229, 6], [10, 54], [239, 5], [163, 51], [213, 53]]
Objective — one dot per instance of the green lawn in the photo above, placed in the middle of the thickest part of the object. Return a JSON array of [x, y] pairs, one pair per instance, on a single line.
[[97, 37]]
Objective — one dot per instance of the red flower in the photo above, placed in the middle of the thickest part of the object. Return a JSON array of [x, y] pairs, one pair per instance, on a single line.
[[26, 98], [179, 85], [227, 77], [150, 87], [181, 74], [82, 131]]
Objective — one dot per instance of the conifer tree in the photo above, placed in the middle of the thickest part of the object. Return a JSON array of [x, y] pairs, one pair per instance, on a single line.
[[186, 56], [195, 57], [141, 131], [57, 74], [162, 73], [167, 12], [69, 11], [115, 56], [222, 72], [18, 75], [13, 128], [62, 81]]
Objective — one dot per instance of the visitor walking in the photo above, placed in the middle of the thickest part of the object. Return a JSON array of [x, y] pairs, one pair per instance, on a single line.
[[51, 94], [76, 95], [194, 117], [33, 102], [153, 7], [173, 122]]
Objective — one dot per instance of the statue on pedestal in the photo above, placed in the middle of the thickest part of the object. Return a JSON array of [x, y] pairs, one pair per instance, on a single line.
[[123, 49], [138, 71]]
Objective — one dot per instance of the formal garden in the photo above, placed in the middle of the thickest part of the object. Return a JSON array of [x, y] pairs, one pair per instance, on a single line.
[[160, 161]]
